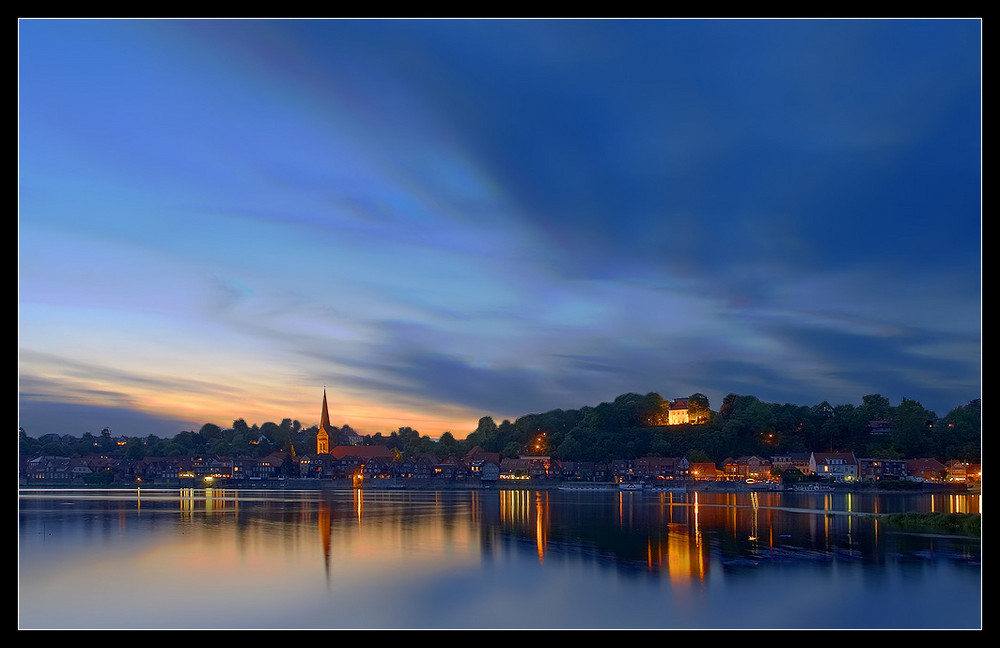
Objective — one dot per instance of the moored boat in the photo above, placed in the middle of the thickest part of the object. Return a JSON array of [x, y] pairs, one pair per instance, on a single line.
[[587, 487], [668, 489]]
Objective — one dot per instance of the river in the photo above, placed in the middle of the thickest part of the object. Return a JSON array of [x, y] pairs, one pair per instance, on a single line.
[[489, 559]]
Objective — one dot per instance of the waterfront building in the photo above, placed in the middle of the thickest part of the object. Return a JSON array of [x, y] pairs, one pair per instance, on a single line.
[[792, 461], [747, 467], [538, 466], [50, 469], [351, 460], [836, 466], [926, 469], [871, 469], [651, 468], [482, 464], [957, 470], [515, 469], [314, 466], [704, 471]]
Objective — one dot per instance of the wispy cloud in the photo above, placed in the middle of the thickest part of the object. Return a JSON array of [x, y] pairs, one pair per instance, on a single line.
[[439, 220]]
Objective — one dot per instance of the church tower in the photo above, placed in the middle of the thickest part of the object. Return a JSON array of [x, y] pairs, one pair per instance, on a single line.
[[323, 436]]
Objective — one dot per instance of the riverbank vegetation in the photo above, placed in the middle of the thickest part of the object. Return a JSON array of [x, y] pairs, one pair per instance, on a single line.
[[957, 523]]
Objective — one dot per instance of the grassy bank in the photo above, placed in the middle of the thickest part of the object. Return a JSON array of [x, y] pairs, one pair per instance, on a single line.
[[960, 523]]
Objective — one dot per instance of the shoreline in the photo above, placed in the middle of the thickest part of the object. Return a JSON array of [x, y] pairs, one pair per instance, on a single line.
[[433, 485]]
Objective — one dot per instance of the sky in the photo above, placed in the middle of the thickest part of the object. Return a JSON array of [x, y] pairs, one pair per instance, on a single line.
[[440, 220]]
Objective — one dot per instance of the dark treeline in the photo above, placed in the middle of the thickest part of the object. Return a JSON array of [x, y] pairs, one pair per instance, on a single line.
[[743, 425], [626, 428]]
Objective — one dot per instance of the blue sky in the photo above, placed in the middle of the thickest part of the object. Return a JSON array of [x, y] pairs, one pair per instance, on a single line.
[[438, 220]]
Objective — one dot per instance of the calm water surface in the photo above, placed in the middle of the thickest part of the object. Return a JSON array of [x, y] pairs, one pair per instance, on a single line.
[[489, 559]]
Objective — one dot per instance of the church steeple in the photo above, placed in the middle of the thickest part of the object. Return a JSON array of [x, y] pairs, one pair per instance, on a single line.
[[323, 435]]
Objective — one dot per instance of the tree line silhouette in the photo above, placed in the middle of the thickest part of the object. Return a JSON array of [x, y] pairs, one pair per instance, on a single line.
[[630, 426]]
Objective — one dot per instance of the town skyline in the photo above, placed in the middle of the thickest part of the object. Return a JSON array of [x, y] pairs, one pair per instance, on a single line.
[[440, 220], [140, 426], [878, 424]]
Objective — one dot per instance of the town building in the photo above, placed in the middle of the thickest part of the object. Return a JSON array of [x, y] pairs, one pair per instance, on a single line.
[[651, 469], [955, 470], [875, 469], [747, 467], [704, 471], [678, 413], [792, 461], [926, 470], [835, 466], [483, 465], [879, 427], [359, 454]]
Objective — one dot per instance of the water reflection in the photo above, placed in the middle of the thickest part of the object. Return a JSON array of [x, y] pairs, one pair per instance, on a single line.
[[661, 528], [678, 533], [384, 543]]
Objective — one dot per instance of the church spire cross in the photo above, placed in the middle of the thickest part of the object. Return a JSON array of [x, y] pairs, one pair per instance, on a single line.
[[324, 421], [323, 435]]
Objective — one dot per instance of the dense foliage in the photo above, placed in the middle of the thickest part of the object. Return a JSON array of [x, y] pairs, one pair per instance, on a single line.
[[628, 427], [744, 425]]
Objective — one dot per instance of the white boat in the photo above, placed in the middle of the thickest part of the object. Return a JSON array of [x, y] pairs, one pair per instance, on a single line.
[[812, 488], [587, 487], [630, 486], [668, 489]]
